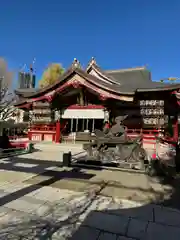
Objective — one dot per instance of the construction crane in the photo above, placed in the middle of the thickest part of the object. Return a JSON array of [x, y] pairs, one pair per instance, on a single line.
[[32, 65], [171, 79], [32, 72]]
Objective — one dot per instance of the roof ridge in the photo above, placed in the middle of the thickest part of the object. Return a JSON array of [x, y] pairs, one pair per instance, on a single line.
[[104, 73], [125, 69]]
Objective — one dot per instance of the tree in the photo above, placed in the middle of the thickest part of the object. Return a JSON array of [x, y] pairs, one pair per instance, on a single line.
[[51, 75], [7, 98]]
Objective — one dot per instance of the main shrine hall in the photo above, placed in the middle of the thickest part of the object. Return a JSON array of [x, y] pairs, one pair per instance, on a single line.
[[82, 100]]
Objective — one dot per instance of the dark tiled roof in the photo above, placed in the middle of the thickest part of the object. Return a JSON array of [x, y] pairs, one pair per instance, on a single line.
[[130, 76], [102, 73], [25, 91], [130, 80], [127, 82], [88, 77], [157, 86], [101, 84]]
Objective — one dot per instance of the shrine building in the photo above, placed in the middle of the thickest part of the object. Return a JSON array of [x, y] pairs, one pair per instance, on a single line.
[[81, 100]]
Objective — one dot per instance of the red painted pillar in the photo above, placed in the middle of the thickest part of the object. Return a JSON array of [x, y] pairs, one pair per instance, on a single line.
[[58, 132], [29, 135], [176, 132]]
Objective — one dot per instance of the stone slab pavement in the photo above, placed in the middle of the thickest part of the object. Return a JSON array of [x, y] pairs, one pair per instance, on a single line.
[[33, 169], [40, 200], [45, 157], [63, 147], [52, 213]]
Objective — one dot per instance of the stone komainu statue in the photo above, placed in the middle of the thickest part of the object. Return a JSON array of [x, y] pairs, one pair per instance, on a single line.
[[117, 129]]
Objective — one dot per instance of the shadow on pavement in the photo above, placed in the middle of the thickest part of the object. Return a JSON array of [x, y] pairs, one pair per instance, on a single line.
[[121, 220], [41, 170], [92, 216]]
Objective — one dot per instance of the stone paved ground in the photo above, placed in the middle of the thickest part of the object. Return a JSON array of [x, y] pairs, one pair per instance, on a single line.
[[40, 200], [59, 214]]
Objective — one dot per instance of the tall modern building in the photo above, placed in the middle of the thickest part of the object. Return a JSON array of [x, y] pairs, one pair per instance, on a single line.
[[26, 80]]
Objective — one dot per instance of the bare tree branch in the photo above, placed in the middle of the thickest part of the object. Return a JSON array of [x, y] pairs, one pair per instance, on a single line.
[[7, 97]]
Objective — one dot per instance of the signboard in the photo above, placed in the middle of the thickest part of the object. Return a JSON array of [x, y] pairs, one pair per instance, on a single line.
[[84, 114], [152, 103], [152, 112]]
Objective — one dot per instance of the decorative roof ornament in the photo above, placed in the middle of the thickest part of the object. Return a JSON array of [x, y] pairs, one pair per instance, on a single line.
[[93, 61], [76, 63]]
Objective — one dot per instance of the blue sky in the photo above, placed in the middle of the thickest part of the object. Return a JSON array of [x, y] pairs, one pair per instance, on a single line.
[[118, 33]]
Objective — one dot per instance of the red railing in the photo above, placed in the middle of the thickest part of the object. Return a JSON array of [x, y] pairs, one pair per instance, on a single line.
[[143, 132], [43, 128], [15, 137], [148, 137]]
